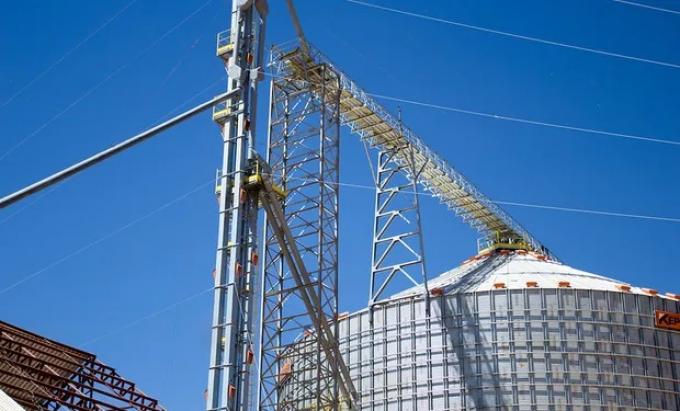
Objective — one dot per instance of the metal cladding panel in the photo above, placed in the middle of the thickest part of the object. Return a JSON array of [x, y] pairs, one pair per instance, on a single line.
[[521, 349]]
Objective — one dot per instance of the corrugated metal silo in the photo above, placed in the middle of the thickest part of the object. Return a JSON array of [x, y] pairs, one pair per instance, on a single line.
[[512, 330]]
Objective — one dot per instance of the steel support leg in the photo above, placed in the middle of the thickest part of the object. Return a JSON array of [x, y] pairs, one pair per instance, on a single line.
[[398, 257]]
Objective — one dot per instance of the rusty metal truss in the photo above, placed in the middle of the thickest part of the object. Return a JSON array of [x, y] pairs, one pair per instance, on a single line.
[[40, 374]]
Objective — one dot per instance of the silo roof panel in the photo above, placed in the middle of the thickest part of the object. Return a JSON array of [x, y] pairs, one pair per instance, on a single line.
[[515, 270]]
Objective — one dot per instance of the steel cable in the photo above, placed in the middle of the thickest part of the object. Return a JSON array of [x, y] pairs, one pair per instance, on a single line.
[[516, 36]]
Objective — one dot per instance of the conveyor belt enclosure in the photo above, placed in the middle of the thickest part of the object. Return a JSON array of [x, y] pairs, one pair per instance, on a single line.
[[374, 124]]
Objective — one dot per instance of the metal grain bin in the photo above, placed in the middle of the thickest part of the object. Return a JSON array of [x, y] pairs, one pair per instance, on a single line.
[[514, 331]]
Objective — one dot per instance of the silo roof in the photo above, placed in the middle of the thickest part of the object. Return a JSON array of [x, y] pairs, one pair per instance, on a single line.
[[506, 269]]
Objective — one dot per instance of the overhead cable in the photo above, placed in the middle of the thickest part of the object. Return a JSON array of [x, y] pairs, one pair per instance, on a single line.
[[528, 121], [148, 316], [515, 119], [351, 185], [647, 6], [105, 237], [40, 197], [587, 211], [26, 206], [530, 205], [112, 151], [517, 36], [68, 53], [102, 82]]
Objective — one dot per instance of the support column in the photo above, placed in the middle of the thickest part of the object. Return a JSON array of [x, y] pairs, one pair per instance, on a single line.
[[231, 339], [398, 257], [303, 152]]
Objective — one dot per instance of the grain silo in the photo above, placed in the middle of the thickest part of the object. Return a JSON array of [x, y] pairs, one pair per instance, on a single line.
[[513, 330]]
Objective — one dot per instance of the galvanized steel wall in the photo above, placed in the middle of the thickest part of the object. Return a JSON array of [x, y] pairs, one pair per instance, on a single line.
[[531, 349]]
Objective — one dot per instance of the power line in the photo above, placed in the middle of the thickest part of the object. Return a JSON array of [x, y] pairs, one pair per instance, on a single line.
[[219, 80], [20, 210], [647, 6], [105, 237], [184, 56], [586, 211], [517, 36], [26, 206], [516, 204], [547, 207], [515, 119], [68, 53], [61, 113], [528, 121], [351, 185], [149, 316], [102, 82]]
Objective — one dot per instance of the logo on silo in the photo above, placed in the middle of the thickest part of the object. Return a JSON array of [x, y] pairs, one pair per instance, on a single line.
[[668, 320]]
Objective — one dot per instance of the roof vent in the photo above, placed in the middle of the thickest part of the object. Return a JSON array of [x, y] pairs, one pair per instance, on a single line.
[[651, 291], [532, 284], [498, 285], [564, 284], [624, 288]]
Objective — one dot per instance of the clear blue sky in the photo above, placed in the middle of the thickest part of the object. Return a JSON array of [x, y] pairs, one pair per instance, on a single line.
[[169, 255]]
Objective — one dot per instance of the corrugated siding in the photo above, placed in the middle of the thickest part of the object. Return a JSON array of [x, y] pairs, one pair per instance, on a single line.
[[515, 350], [7, 404]]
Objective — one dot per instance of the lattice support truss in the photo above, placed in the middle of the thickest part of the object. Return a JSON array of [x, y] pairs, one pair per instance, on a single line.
[[318, 344], [40, 374], [374, 124], [303, 151], [398, 251]]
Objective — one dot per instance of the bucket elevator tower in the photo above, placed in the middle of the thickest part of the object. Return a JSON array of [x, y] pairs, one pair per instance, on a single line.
[[241, 48]]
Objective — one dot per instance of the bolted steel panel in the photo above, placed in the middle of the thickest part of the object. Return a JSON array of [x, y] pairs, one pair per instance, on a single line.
[[515, 349]]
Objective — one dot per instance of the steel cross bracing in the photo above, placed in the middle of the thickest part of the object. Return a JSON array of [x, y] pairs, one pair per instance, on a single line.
[[231, 340], [319, 343], [303, 150], [398, 249], [381, 130]]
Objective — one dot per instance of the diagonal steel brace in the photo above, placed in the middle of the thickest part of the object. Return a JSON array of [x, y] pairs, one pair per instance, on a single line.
[[269, 199]]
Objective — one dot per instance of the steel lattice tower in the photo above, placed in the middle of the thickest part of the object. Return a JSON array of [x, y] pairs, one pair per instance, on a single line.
[[303, 151], [398, 249]]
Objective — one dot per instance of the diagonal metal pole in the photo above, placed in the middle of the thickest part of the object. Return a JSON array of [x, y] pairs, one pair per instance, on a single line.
[[298, 27], [112, 151], [274, 211]]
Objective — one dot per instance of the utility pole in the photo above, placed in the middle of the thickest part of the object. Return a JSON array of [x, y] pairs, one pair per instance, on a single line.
[[231, 353]]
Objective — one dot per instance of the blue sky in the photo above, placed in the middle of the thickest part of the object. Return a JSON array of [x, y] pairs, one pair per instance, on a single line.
[[96, 263]]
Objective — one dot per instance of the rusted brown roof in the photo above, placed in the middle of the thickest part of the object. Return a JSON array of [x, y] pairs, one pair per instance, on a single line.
[[39, 373]]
